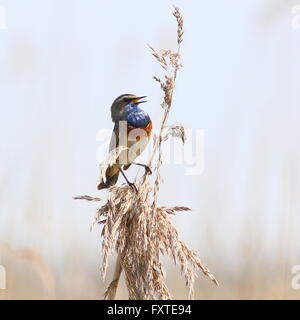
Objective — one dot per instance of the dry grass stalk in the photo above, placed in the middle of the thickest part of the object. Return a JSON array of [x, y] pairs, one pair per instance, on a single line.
[[134, 226], [87, 198], [111, 291]]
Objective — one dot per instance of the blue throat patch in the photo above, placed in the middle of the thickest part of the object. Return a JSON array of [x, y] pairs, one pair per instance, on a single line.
[[135, 116]]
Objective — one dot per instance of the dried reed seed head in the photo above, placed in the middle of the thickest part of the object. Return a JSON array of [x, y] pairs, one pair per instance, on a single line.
[[139, 235], [177, 14], [176, 131], [175, 61]]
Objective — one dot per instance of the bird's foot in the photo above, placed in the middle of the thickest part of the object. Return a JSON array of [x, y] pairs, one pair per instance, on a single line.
[[133, 186], [147, 168]]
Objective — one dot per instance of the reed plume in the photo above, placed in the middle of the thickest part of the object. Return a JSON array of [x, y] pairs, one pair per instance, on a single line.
[[134, 226]]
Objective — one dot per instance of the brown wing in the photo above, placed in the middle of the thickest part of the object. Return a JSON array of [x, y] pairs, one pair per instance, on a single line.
[[148, 130], [114, 141]]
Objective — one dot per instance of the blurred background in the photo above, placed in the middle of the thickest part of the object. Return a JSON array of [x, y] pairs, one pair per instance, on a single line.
[[63, 62]]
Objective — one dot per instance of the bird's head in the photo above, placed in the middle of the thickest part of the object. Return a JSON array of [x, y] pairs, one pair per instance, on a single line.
[[117, 108]]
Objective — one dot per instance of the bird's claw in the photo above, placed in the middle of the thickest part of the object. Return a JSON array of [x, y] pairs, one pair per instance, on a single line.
[[148, 170], [133, 186]]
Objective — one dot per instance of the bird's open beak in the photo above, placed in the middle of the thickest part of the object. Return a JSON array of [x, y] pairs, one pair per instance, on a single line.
[[137, 100]]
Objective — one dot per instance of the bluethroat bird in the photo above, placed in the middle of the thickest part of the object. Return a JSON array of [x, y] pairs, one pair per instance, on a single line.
[[132, 130]]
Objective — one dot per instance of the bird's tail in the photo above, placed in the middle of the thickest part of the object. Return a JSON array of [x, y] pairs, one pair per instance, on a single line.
[[111, 180]]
